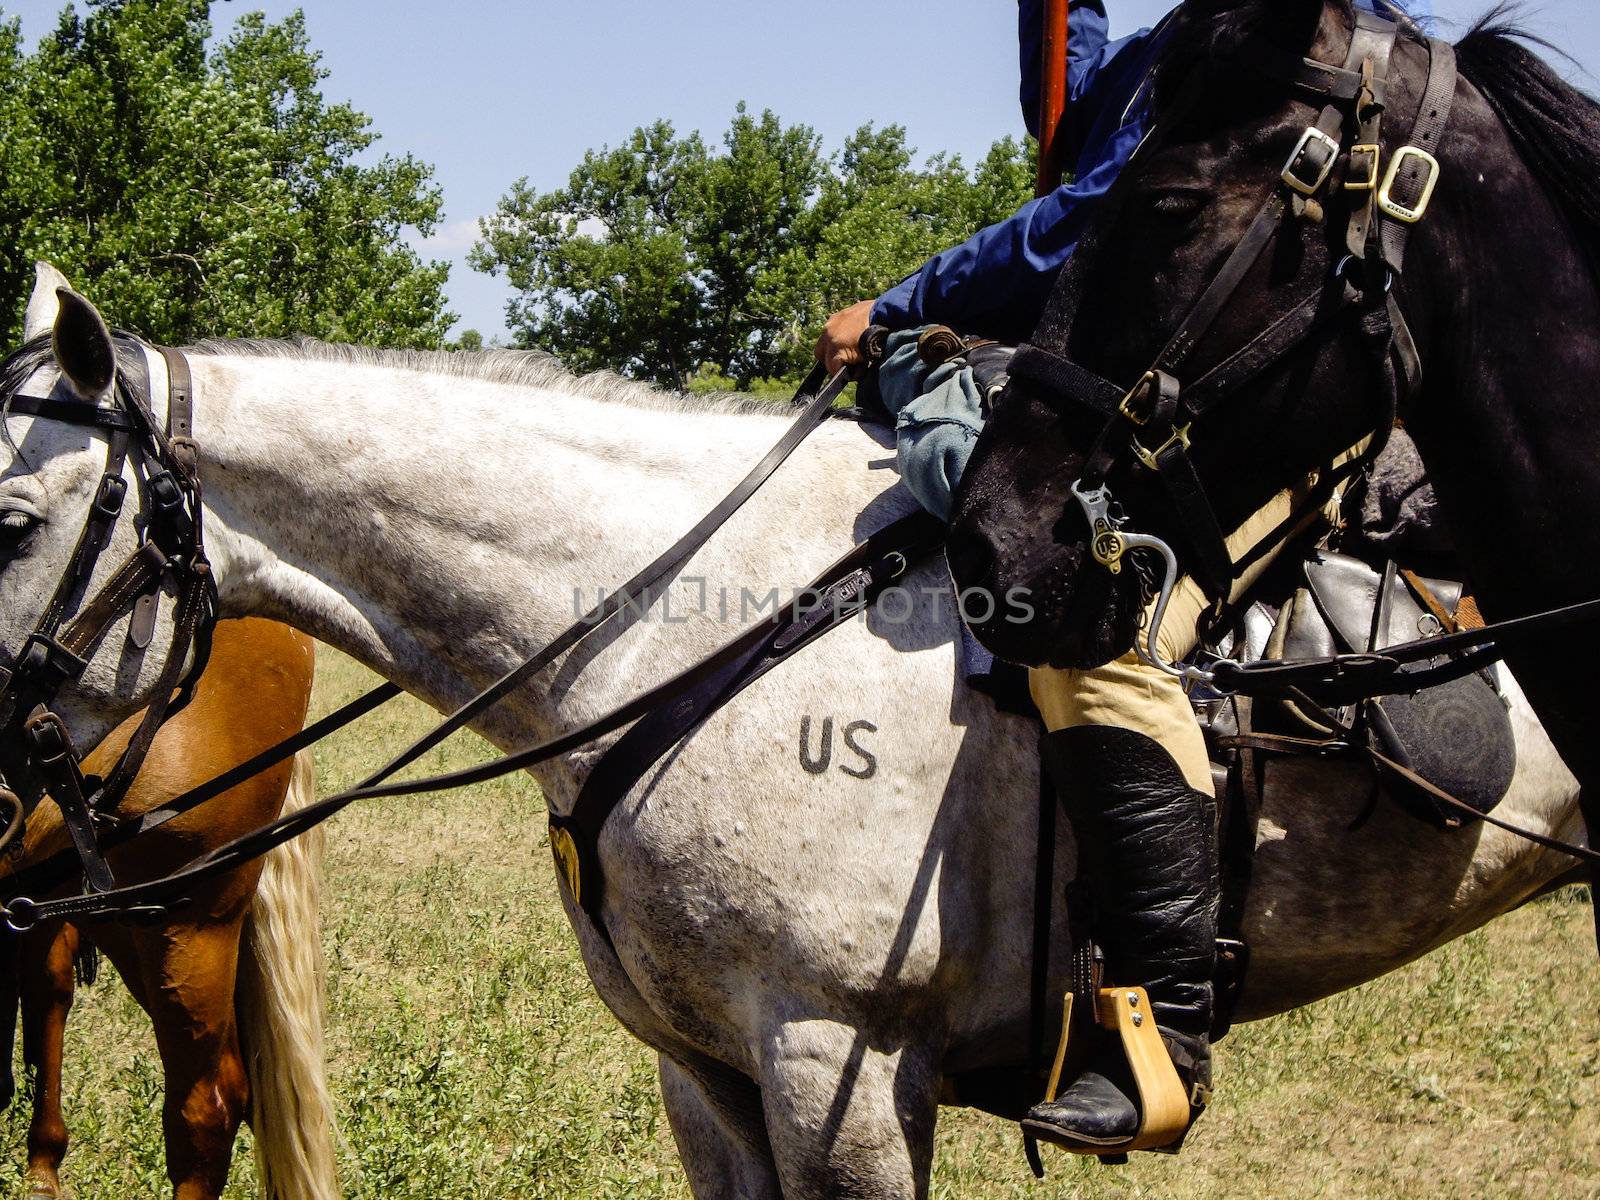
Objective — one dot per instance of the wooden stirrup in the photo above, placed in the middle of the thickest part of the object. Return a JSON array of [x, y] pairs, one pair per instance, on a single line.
[[1163, 1100]]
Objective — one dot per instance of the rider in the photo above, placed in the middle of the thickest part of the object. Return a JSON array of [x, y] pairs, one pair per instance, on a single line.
[[1124, 747]]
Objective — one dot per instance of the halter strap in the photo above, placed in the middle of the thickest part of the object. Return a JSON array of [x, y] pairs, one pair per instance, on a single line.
[[170, 554], [1152, 420]]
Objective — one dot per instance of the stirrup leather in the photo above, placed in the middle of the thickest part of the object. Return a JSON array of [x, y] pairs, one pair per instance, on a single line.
[[1166, 1106]]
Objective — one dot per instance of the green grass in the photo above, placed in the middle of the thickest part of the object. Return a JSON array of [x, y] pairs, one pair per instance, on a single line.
[[470, 1056]]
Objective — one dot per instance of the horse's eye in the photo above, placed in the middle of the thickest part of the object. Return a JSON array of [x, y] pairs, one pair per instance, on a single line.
[[16, 530], [1179, 205]]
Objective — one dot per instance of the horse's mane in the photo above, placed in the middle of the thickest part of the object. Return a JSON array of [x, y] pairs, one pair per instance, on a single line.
[[1554, 126], [1213, 32], [1210, 33], [517, 368]]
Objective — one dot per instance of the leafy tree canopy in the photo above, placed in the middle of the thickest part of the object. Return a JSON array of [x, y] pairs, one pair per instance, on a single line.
[[198, 193], [669, 259]]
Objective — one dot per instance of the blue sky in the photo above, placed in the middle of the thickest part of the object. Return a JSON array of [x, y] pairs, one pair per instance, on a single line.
[[492, 90]]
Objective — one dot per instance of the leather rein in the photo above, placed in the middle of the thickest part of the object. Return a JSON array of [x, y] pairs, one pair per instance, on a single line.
[[844, 589]]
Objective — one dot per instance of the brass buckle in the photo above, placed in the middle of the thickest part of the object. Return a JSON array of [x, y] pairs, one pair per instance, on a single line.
[[568, 861], [1368, 182], [1147, 458], [1108, 547], [1312, 136], [1126, 408], [1392, 207]]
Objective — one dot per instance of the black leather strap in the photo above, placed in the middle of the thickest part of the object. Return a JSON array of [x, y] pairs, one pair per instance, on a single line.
[[1061, 376], [53, 755], [71, 412], [1396, 771], [1371, 51], [1412, 177], [1215, 570], [44, 876], [1316, 80], [1223, 285]]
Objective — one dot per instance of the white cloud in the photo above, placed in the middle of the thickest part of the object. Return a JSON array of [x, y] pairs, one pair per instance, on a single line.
[[452, 239]]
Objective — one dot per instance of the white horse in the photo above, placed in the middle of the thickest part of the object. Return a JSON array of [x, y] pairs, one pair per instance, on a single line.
[[821, 902]]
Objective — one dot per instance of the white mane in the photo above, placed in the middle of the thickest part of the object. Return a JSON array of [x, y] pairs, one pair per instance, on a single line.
[[516, 368]]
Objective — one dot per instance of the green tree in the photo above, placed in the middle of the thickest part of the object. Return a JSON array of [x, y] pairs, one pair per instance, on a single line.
[[877, 218], [603, 267], [666, 259], [199, 193]]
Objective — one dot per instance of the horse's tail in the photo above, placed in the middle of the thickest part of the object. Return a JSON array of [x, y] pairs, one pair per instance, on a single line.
[[280, 1005]]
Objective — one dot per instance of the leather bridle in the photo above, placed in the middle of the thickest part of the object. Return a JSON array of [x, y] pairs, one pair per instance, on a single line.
[[170, 557], [1150, 423]]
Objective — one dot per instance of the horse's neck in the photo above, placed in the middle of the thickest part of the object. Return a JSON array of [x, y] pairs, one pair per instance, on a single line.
[[1506, 306], [440, 529]]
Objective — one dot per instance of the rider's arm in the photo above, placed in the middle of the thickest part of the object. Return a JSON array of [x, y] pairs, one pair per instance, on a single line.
[[997, 281]]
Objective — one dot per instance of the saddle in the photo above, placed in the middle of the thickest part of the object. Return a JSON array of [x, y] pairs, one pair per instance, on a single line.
[[1456, 736]]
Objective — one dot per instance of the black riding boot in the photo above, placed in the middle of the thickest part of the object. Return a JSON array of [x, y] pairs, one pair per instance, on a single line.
[[1147, 855]]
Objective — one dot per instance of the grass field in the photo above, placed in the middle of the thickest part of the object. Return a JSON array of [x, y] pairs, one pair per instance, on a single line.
[[471, 1058]]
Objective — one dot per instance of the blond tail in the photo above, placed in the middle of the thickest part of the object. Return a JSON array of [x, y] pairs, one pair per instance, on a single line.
[[280, 1004]]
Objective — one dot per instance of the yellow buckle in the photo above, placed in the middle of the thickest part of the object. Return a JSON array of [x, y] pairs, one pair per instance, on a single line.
[[1126, 407], [1309, 187], [1369, 182], [1393, 207], [1180, 437]]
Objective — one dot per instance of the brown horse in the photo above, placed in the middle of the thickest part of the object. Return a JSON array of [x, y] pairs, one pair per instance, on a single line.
[[239, 1033]]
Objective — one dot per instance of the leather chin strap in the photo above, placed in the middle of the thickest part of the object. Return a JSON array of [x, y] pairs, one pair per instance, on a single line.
[[170, 557], [1152, 421]]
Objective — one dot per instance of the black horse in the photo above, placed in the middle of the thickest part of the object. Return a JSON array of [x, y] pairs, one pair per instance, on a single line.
[[1499, 292]]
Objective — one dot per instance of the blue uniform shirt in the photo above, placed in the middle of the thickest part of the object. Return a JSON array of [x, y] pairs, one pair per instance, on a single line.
[[998, 281]]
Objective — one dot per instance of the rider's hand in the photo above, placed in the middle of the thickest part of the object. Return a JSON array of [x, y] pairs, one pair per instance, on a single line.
[[840, 343]]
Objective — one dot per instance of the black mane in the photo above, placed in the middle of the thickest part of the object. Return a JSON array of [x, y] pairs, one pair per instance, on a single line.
[[1208, 33], [1554, 126], [1211, 33]]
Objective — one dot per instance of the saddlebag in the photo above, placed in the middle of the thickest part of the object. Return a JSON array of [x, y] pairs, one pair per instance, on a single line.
[[1455, 735]]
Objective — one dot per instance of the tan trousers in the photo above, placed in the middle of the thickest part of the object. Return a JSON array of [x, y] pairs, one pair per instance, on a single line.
[[1131, 694]]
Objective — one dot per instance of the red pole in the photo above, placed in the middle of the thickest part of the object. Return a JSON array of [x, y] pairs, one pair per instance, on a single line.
[[1052, 96]]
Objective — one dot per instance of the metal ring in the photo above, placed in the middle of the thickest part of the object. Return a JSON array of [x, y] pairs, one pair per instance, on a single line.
[[21, 914], [1342, 271], [15, 817]]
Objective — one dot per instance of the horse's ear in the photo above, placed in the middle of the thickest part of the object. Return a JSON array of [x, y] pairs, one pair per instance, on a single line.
[[42, 304], [82, 345]]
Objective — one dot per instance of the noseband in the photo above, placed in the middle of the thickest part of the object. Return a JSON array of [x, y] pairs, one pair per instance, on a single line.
[[1151, 422], [170, 558]]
